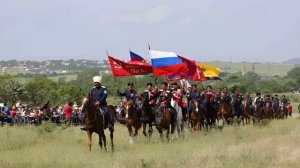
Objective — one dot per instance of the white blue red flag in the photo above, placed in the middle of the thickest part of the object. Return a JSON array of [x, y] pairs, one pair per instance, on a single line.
[[136, 57], [167, 64]]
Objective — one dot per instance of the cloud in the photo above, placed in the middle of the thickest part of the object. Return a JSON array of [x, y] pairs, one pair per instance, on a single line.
[[153, 15], [130, 17], [187, 19], [158, 14]]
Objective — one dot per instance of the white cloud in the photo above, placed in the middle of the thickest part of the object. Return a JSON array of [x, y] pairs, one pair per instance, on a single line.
[[158, 14], [154, 15], [130, 17]]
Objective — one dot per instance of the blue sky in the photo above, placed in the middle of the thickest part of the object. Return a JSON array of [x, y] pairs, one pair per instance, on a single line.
[[237, 30]]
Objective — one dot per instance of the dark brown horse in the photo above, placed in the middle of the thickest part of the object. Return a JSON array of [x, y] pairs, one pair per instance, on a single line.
[[132, 120], [224, 109], [95, 122], [147, 115], [268, 110], [247, 110], [284, 111], [163, 121], [209, 112], [259, 111]]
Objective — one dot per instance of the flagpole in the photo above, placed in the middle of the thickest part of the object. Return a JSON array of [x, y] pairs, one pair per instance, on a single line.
[[154, 77]]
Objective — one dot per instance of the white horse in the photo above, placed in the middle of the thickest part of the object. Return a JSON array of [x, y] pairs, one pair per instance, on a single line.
[[179, 120]]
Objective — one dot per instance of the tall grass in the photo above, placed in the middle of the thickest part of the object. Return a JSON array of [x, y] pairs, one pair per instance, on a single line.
[[274, 145]]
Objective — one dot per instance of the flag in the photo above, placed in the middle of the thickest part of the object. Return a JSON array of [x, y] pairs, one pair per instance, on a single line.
[[136, 57], [166, 63], [121, 68], [210, 71], [173, 78], [195, 72]]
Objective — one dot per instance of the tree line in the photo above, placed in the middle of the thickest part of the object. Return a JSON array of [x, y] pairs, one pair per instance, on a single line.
[[39, 89]]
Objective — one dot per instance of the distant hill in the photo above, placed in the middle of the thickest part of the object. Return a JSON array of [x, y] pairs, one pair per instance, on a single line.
[[292, 61]]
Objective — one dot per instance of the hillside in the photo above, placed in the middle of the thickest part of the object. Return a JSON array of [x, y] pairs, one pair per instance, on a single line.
[[292, 61]]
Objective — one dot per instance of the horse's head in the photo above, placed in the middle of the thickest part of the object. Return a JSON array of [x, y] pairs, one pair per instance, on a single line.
[[196, 105], [128, 107], [88, 104]]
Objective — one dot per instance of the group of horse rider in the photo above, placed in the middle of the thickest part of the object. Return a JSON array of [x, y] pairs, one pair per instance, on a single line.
[[165, 94]]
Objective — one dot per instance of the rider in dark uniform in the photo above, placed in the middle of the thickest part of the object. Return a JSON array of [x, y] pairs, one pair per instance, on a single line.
[[284, 101], [130, 94], [151, 95], [194, 95], [99, 94], [258, 101]]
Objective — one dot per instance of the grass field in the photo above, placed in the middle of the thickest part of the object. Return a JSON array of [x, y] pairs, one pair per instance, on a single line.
[[275, 144]]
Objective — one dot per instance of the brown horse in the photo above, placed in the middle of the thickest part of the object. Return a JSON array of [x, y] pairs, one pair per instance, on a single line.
[[268, 110], [196, 116], [247, 110], [163, 120], [132, 120], [284, 111], [259, 111], [95, 122], [225, 109]]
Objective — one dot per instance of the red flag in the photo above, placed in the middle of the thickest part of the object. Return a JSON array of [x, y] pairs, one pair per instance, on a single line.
[[121, 68], [195, 72]]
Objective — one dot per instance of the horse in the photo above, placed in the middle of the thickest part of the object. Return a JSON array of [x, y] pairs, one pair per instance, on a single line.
[[276, 111], [196, 116], [95, 122], [247, 110], [237, 110], [209, 112], [284, 111], [268, 110], [258, 111], [179, 119], [147, 115], [163, 120], [224, 109], [132, 120]]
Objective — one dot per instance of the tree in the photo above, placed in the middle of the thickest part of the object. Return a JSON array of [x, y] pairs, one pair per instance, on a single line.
[[294, 73], [39, 90]]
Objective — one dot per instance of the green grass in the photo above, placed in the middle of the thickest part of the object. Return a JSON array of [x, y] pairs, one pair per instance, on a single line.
[[274, 145]]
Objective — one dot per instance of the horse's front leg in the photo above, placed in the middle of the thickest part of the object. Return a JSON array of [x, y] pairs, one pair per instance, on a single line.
[[89, 133], [130, 134], [144, 129], [111, 130]]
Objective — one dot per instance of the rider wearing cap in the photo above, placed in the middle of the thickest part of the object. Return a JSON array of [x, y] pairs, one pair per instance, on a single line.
[[130, 94], [194, 95], [258, 101], [165, 97], [151, 93]]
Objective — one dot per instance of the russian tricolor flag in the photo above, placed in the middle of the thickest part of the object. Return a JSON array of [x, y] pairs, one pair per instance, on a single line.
[[136, 57], [166, 63]]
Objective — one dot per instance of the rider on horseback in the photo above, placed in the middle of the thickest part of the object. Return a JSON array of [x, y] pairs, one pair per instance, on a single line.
[[151, 94], [258, 101], [210, 93], [284, 101], [130, 94], [227, 95], [177, 95], [99, 94], [195, 95], [249, 98], [165, 99]]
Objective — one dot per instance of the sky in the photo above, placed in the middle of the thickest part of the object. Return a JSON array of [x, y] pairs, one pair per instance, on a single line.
[[205, 30]]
